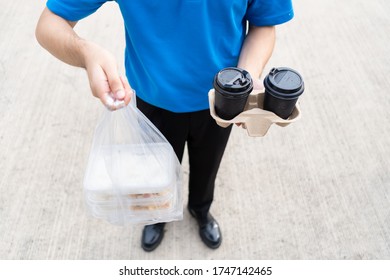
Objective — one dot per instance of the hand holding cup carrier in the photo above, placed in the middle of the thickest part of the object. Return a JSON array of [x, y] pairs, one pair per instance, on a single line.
[[232, 99]]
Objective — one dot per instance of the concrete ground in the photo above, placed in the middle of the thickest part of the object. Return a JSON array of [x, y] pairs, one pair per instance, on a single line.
[[317, 189]]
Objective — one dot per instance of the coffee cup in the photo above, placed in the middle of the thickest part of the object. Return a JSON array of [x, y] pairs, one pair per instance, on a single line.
[[232, 87], [283, 86]]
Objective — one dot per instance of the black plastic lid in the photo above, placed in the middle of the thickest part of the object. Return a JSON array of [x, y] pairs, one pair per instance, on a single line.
[[234, 80], [284, 81]]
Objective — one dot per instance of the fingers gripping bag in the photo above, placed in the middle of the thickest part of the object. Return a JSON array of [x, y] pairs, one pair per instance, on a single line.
[[133, 175]]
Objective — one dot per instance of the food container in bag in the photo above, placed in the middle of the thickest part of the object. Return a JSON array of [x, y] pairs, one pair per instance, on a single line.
[[133, 174]]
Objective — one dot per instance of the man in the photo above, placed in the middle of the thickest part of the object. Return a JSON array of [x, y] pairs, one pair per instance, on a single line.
[[173, 50]]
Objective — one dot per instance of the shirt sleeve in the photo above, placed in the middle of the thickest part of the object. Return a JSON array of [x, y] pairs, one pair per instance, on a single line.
[[74, 10], [269, 12]]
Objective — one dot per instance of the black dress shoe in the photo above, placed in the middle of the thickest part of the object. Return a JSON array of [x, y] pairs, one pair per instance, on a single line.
[[209, 229], [152, 236]]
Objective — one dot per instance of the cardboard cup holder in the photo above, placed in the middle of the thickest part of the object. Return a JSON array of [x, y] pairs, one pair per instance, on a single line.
[[254, 118]]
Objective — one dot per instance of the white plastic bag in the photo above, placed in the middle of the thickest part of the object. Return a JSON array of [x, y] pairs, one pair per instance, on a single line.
[[133, 175]]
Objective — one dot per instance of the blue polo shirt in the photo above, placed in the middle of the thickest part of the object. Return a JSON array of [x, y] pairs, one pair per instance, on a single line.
[[175, 47]]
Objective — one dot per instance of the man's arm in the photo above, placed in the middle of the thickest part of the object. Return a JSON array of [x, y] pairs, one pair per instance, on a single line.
[[256, 51], [57, 36]]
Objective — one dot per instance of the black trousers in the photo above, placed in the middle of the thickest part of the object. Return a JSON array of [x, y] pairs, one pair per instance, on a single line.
[[206, 142]]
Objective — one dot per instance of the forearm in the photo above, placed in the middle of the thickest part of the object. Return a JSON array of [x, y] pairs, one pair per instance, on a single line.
[[57, 36], [257, 49]]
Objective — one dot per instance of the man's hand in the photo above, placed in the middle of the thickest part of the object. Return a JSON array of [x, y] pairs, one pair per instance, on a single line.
[[104, 79]]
